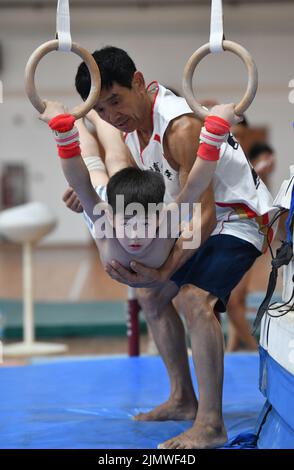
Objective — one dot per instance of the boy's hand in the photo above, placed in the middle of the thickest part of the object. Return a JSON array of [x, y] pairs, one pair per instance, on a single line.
[[226, 112], [53, 109]]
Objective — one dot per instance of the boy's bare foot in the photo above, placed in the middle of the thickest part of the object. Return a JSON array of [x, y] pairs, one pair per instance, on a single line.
[[170, 410]]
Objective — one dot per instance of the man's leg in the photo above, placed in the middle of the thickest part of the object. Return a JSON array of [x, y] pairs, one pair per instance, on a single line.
[[207, 344], [169, 336]]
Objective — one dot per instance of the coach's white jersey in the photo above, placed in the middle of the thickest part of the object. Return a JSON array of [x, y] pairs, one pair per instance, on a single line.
[[243, 203], [166, 107]]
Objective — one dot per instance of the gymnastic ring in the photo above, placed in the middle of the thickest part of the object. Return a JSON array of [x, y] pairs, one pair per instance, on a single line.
[[202, 52], [30, 70]]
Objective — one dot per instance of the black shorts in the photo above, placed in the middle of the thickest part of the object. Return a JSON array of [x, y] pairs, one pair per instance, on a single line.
[[218, 266]]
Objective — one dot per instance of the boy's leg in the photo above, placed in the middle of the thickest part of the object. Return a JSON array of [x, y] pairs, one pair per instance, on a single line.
[[95, 165], [207, 344], [169, 336], [91, 154]]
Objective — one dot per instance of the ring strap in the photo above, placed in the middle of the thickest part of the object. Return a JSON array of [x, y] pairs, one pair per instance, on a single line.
[[216, 27], [63, 26]]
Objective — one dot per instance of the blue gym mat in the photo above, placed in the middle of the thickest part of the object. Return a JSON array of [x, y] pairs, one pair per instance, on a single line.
[[89, 404]]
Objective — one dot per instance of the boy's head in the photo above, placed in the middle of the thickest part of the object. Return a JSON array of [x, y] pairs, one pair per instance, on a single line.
[[133, 216], [122, 88]]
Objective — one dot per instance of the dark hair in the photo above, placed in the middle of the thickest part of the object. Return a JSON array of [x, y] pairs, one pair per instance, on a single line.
[[115, 65], [257, 149], [140, 186]]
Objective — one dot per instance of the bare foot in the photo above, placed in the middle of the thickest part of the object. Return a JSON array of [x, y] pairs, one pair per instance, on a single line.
[[200, 436], [170, 410]]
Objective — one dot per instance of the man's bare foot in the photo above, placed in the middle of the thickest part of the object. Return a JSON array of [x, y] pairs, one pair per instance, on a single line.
[[170, 410], [200, 436]]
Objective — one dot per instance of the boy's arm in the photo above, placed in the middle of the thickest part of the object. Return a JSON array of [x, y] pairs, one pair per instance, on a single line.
[[90, 153], [77, 176], [73, 166], [197, 163]]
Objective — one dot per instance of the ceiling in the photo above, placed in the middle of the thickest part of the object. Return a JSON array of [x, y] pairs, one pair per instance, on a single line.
[[128, 3]]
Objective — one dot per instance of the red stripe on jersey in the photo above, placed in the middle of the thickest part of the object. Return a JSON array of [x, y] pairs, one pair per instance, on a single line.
[[249, 212]]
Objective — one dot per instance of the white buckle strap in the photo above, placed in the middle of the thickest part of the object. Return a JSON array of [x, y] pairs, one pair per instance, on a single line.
[[66, 138], [63, 26], [212, 139]]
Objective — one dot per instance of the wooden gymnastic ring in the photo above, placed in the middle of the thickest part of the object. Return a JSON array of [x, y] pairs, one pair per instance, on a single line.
[[202, 52], [30, 70]]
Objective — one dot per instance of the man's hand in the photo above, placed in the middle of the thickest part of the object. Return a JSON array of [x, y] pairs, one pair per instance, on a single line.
[[53, 109], [226, 112], [140, 276], [72, 201]]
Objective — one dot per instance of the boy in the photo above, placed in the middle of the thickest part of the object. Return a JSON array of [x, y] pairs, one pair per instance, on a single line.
[[138, 186]]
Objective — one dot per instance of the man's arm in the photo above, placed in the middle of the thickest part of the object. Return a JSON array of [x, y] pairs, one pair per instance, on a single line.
[[182, 142], [180, 253]]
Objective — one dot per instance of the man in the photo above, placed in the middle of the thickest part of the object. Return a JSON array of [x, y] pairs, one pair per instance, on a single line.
[[162, 134]]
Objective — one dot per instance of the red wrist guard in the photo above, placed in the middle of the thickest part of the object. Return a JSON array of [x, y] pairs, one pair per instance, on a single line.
[[208, 152], [67, 137], [69, 151], [213, 134], [217, 125], [62, 122]]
